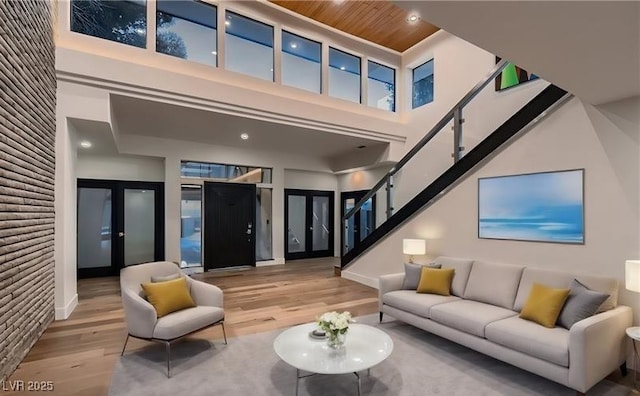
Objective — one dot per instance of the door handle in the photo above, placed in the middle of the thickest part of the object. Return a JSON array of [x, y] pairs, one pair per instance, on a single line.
[[121, 234]]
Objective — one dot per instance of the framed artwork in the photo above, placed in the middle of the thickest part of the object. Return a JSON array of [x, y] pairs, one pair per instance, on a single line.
[[542, 207], [511, 76]]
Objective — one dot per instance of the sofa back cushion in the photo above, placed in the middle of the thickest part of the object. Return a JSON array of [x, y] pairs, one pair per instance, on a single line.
[[561, 279], [493, 283], [462, 269]]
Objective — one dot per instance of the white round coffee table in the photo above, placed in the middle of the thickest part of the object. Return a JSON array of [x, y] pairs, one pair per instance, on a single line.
[[365, 346]]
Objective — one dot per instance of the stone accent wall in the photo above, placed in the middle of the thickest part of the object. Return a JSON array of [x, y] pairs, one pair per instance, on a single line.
[[27, 161]]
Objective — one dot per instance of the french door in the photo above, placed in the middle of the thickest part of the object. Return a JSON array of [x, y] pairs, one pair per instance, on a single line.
[[309, 223], [362, 223], [119, 223], [229, 225]]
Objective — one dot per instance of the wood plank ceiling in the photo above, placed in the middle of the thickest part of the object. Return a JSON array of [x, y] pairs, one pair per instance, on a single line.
[[381, 22]]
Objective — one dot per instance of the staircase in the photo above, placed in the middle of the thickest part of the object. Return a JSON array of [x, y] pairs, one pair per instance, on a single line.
[[537, 108]]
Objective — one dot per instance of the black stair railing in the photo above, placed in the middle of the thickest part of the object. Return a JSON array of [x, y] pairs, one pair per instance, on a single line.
[[530, 113]]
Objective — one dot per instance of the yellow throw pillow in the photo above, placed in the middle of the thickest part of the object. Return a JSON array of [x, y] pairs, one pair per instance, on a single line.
[[169, 296], [544, 304], [436, 281]]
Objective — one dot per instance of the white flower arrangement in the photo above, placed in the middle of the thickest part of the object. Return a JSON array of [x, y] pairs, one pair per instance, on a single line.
[[334, 323]]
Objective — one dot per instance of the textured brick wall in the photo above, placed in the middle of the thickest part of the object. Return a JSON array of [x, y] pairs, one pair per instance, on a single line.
[[27, 132]]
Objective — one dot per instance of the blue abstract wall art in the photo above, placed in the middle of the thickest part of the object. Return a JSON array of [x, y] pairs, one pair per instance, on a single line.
[[544, 207]]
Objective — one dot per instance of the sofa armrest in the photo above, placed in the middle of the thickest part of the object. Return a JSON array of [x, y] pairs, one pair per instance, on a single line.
[[205, 294], [140, 315], [597, 346], [389, 283]]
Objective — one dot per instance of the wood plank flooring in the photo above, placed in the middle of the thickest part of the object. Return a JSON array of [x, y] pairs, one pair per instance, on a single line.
[[79, 354]]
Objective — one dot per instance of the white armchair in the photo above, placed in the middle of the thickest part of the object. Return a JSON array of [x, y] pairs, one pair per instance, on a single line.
[[140, 316]]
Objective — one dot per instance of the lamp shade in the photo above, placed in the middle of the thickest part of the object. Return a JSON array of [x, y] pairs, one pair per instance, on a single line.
[[632, 275], [414, 246]]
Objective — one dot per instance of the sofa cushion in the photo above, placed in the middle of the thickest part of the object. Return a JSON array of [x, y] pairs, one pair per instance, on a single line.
[[581, 304], [549, 278], [492, 283], [412, 274], [462, 268], [188, 320], [469, 316], [436, 281], [563, 279], [532, 339], [603, 285], [415, 303], [544, 304]]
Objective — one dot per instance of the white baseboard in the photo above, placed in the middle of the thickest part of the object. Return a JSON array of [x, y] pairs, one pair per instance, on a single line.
[[365, 280], [276, 261], [63, 313]]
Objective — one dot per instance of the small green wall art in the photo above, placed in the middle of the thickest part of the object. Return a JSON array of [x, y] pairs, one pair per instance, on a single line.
[[541, 207], [512, 76]]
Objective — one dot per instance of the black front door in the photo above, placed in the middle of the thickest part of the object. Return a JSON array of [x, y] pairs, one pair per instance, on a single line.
[[308, 223], [362, 223], [119, 223], [229, 225]]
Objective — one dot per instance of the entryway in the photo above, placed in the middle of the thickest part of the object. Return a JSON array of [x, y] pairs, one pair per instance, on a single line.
[[229, 225], [119, 223], [309, 223]]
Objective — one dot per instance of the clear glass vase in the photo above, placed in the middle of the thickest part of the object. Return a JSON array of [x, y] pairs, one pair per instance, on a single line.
[[336, 340]]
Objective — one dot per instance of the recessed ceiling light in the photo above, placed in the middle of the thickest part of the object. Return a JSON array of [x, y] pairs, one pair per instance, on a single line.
[[338, 1], [342, 68], [413, 18], [85, 144], [294, 45], [214, 52], [244, 136]]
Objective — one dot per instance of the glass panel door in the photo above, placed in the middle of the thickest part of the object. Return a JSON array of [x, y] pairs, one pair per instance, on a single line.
[[139, 225], [191, 226], [320, 223], [264, 238], [367, 219], [120, 223], [362, 223], [296, 231], [95, 230], [350, 230], [309, 223]]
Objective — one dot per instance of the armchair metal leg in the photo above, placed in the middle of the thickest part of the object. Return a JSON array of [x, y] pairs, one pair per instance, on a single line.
[[224, 333], [168, 344], [125, 345]]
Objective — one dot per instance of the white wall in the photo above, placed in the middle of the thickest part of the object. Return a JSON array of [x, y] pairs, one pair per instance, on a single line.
[[458, 67], [120, 167], [602, 141]]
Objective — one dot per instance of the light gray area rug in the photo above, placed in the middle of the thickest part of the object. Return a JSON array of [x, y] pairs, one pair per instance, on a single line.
[[421, 364]]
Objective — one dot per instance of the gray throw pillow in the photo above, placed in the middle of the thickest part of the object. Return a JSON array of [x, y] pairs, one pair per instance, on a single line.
[[412, 274], [581, 304], [157, 279]]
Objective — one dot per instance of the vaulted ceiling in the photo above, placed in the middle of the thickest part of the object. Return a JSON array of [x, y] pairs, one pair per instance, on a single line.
[[380, 22]]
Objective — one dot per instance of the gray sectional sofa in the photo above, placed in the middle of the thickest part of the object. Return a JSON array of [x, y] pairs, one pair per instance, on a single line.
[[482, 314]]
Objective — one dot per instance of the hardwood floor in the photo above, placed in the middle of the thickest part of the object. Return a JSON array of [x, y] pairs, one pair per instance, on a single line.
[[78, 354]]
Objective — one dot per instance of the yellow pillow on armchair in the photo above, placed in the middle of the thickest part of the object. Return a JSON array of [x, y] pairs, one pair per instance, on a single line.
[[169, 296]]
